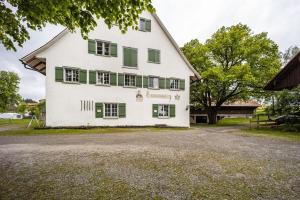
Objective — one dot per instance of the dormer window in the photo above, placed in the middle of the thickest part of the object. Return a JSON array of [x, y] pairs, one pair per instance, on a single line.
[[145, 25]]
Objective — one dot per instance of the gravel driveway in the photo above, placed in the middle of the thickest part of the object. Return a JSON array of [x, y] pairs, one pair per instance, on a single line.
[[202, 163]]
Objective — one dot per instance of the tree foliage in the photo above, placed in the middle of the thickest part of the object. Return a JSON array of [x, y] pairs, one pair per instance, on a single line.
[[17, 16], [289, 54], [287, 102], [9, 85], [234, 64]]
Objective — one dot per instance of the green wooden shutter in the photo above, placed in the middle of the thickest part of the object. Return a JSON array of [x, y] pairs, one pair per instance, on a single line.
[[82, 76], [172, 110], [134, 57], [127, 57], [139, 81], [113, 49], [168, 86], [182, 84], [92, 77], [113, 78], [145, 81], [98, 110], [162, 83], [154, 110], [130, 57], [59, 74], [148, 26], [157, 56], [122, 110], [120, 79], [92, 46], [151, 55]]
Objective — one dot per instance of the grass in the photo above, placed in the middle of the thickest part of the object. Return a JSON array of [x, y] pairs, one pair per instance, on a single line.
[[23, 131], [20, 122], [233, 121], [272, 133]]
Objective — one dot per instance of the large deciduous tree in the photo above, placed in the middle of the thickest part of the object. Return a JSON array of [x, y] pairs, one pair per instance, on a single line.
[[9, 85], [289, 54], [234, 64], [17, 16]]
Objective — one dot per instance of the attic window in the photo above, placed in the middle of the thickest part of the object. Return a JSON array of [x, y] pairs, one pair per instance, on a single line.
[[145, 25]]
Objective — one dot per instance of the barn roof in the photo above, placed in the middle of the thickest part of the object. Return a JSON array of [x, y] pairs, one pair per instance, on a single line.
[[288, 77]]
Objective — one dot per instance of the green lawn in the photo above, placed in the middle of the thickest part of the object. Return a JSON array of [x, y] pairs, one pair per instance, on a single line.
[[273, 133], [233, 121], [20, 122]]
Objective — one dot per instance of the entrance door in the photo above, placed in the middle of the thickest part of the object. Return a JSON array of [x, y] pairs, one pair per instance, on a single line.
[[201, 119]]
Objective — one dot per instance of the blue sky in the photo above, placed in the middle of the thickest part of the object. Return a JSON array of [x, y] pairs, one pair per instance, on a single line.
[[185, 20]]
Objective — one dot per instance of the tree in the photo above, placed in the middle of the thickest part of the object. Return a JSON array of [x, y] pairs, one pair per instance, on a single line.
[[9, 85], [16, 16], [234, 64], [289, 54], [22, 107], [287, 102]]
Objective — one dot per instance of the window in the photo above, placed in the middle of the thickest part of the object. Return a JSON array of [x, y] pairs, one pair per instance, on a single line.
[[154, 82], [103, 78], [71, 75], [130, 80], [145, 25], [111, 110], [174, 84], [154, 56], [103, 48], [130, 57], [163, 111], [142, 24]]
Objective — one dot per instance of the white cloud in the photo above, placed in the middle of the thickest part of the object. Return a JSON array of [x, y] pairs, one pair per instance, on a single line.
[[185, 20]]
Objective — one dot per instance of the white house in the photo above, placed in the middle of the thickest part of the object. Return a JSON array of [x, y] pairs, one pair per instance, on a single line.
[[140, 78]]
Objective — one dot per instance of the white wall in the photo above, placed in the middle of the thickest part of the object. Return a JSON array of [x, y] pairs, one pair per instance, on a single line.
[[63, 100]]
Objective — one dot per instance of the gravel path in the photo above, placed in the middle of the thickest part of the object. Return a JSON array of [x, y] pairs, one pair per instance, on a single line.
[[203, 163]]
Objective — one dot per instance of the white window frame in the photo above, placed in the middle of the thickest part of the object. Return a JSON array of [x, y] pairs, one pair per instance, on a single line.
[[72, 74], [142, 28], [172, 86], [129, 80], [152, 87], [103, 43], [164, 116], [110, 112], [103, 72]]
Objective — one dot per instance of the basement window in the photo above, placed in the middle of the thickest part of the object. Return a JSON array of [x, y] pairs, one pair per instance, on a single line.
[[71, 75]]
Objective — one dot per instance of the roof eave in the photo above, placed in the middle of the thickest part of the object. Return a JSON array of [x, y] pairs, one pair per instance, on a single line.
[[175, 45]]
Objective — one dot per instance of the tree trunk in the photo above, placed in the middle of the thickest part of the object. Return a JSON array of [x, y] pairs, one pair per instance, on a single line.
[[212, 115]]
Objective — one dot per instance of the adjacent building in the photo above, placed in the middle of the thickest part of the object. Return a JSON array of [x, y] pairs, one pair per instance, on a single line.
[[288, 77], [140, 78], [238, 109]]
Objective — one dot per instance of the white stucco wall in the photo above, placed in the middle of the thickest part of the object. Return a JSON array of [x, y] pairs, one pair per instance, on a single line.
[[63, 100]]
